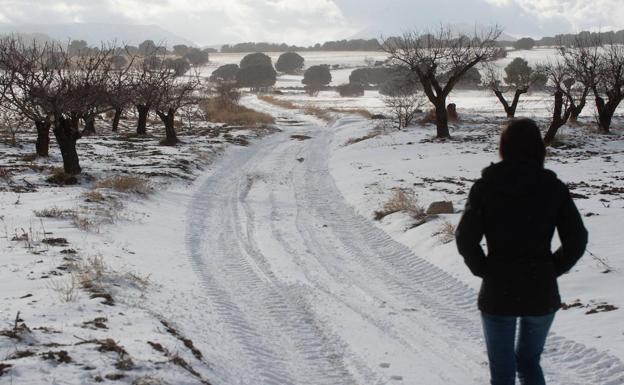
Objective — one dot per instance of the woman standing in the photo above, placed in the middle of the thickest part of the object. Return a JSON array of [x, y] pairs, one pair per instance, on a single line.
[[517, 205]]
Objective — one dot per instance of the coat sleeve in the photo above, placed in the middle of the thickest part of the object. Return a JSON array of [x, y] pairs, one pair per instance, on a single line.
[[572, 234], [470, 232]]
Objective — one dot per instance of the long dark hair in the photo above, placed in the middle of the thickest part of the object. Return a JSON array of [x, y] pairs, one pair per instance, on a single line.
[[522, 141]]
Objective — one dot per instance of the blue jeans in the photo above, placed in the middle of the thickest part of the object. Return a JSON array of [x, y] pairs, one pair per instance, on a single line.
[[508, 356]]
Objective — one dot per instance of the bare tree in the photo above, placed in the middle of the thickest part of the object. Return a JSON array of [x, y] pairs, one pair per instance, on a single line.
[[599, 65], [175, 93], [27, 81], [569, 96], [429, 56], [146, 82], [119, 91], [88, 77], [518, 78]]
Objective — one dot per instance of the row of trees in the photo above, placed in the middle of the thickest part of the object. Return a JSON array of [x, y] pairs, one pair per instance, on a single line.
[[54, 89], [192, 55], [338, 45], [566, 39], [587, 66], [256, 72]]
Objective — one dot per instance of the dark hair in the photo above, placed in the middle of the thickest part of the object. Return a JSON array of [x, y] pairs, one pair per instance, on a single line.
[[522, 140]]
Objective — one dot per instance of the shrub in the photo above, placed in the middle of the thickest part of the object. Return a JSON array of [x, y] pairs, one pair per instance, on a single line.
[[524, 43], [316, 77], [256, 59], [471, 79], [225, 73], [404, 107], [256, 76], [180, 49], [350, 89], [446, 232], [227, 94], [289, 62], [518, 73], [402, 200], [371, 76], [179, 66], [401, 82], [196, 56]]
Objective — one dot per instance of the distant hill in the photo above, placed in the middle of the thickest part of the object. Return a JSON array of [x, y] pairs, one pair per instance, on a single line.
[[29, 38], [391, 29], [95, 33]]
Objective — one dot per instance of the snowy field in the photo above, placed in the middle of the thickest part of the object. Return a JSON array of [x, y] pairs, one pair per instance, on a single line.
[[348, 61], [253, 256]]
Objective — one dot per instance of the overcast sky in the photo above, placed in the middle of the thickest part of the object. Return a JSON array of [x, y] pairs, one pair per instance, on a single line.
[[309, 21]]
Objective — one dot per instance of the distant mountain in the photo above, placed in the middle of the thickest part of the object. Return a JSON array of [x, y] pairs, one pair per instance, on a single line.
[[96, 33], [29, 38]]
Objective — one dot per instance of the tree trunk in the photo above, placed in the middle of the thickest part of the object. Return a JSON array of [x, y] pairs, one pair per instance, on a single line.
[[441, 119], [558, 119], [576, 109], [66, 136], [143, 110], [42, 145], [89, 128], [116, 118], [604, 117], [171, 138], [510, 110]]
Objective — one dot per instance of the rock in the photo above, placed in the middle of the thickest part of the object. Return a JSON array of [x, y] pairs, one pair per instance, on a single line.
[[440, 207], [378, 116]]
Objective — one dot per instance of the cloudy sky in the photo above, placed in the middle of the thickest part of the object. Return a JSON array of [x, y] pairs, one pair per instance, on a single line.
[[309, 21]]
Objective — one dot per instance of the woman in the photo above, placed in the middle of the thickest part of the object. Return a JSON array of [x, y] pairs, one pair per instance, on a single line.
[[517, 205]]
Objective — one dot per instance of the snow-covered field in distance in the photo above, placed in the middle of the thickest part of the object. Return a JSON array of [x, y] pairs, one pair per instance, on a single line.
[[351, 60]]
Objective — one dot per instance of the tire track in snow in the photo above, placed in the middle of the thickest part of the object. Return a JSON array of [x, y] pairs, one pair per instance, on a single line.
[[273, 324]]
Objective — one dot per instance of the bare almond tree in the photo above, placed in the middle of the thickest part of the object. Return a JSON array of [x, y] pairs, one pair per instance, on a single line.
[[175, 93], [569, 96], [599, 65], [146, 80], [429, 56], [28, 77], [518, 79]]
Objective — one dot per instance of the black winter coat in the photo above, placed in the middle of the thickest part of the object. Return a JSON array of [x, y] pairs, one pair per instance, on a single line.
[[517, 206]]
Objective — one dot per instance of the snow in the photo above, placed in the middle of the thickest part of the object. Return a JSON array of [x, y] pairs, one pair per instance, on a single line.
[[267, 257]]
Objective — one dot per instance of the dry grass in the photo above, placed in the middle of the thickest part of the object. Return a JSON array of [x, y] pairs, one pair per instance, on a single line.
[[446, 232], [321, 113], [357, 111], [234, 114], [94, 196], [85, 224], [98, 279], [401, 200], [60, 177], [125, 183], [55, 212], [279, 102], [65, 288], [5, 173]]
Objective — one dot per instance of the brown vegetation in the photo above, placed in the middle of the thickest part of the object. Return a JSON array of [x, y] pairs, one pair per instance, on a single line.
[[402, 200], [125, 183], [234, 114]]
